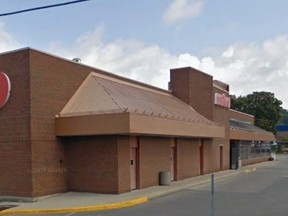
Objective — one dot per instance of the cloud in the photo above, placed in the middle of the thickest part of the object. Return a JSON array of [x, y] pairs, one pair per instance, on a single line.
[[180, 10], [6, 40], [250, 67], [245, 67], [129, 58]]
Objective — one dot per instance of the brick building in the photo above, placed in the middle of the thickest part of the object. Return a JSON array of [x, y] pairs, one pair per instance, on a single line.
[[70, 127]]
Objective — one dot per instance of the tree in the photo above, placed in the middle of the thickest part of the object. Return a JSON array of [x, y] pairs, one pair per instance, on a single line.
[[284, 118], [265, 108]]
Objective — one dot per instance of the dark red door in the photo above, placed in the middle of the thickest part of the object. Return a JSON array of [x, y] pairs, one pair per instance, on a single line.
[[172, 163], [201, 158]]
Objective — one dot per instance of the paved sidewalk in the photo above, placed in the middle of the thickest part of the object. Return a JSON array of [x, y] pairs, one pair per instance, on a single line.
[[84, 202]]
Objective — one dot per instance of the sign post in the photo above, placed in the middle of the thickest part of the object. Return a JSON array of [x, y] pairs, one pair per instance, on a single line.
[[212, 195]]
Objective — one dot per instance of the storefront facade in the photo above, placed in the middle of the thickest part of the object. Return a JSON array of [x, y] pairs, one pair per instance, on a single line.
[[282, 138], [69, 127], [249, 144]]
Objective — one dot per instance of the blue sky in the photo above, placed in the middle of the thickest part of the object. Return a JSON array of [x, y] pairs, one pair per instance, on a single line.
[[243, 43]]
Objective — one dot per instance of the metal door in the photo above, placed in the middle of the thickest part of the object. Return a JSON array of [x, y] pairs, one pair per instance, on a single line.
[[221, 157], [133, 168], [234, 154]]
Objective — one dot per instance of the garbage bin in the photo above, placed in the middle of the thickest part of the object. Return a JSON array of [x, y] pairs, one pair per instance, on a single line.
[[164, 178], [273, 155]]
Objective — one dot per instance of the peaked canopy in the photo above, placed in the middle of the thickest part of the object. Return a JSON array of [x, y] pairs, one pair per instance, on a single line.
[[106, 105]]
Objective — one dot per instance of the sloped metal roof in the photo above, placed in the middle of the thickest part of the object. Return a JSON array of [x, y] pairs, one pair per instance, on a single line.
[[245, 126], [102, 94]]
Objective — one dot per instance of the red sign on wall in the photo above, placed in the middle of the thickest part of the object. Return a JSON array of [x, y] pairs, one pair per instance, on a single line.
[[5, 87], [222, 100]]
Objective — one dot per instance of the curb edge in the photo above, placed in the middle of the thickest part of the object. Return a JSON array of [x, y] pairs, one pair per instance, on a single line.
[[103, 207]]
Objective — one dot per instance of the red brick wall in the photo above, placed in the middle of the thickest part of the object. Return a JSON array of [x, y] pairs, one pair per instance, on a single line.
[[124, 162], [33, 162], [93, 164], [49, 168], [41, 86], [212, 154], [221, 115], [194, 88], [155, 157], [255, 160], [187, 158], [53, 82], [179, 84], [15, 150], [15, 168]]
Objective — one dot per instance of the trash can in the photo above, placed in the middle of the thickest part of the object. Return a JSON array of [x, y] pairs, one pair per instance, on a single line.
[[164, 178], [273, 155]]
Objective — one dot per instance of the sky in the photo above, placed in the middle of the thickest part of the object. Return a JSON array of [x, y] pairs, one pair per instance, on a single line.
[[242, 43]]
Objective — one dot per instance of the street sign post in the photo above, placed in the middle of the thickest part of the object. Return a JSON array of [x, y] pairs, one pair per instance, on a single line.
[[212, 195]]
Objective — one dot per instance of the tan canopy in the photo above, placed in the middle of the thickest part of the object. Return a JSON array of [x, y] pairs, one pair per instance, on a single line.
[[106, 105]]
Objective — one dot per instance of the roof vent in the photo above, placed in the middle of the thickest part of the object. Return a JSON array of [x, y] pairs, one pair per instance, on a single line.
[[78, 60]]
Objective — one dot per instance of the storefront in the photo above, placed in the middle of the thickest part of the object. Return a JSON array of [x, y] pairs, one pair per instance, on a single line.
[[282, 138], [70, 127], [249, 144]]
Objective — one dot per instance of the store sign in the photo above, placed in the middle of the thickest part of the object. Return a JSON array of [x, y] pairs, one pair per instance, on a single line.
[[5, 87], [222, 100]]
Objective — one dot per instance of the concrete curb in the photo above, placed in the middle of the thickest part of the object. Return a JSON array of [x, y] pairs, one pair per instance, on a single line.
[[250, 170], [140, 200], [243, 170], [191, 185], [79, 209]]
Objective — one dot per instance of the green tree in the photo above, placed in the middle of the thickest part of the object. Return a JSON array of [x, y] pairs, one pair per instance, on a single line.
[[284, 118], [263, 105]]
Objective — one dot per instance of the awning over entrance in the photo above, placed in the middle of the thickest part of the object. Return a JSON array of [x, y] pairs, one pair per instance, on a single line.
[[240, 130], [106, 105]]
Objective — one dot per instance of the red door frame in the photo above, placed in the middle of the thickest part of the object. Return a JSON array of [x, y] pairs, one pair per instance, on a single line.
[[173, 160], [172, 163], [138, 155], [201, 157]]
